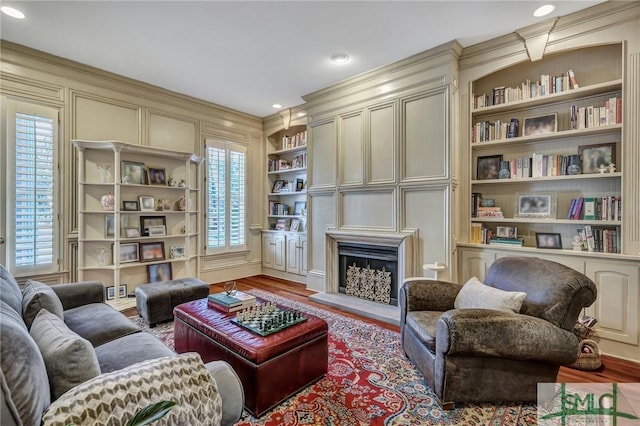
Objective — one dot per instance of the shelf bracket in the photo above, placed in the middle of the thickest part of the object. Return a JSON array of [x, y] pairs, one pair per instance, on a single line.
[[535, 38]]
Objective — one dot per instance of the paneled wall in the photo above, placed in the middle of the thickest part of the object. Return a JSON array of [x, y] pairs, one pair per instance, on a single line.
[[97, 105]]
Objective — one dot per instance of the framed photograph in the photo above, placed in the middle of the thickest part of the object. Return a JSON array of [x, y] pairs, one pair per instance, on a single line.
[[299, 185], [129, 252], [299, 207], [130, 206], [150, 252], [176, 252], [111, 292], [488, 167], [131, 232], [277, 186], [109, 226], [164, 205], [159, 272], [147, 221], [122, 290], [157, 230], [133, 173], [535, 205], [295, 225], [548, 240], [594, 156], [156, 176], [506, 231], [540, 125], [147, 203]]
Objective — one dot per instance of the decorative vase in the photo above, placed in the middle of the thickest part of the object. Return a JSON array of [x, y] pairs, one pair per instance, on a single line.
[[108, 202], [574, 167], [183, 203], [505, 172], [104, 170]]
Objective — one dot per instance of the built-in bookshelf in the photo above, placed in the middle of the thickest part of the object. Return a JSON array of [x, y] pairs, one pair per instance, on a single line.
[[545, 137]]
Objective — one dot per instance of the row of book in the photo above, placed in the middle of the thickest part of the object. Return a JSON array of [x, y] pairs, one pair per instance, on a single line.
[[601, 239], [297, 162], [277, 208], [590, 116], [231, 302], [299, 139], [608, 207], [528, 89], [480, 234], [487, 131]]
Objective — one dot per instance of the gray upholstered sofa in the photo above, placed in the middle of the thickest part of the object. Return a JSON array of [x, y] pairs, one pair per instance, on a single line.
[[62, 345], [494, 341]]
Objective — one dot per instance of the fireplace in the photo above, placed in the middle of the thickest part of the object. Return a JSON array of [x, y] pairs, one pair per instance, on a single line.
[[368, 272]]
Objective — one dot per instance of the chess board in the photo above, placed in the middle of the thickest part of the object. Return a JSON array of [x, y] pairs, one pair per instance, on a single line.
[[267, 323]]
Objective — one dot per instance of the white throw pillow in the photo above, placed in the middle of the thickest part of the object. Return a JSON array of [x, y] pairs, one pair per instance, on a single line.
[[476, 295]]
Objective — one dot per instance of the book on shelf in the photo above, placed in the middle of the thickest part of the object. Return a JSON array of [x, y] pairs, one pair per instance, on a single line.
[[236, 298], [490, 212], [518, 241], [589, 208]]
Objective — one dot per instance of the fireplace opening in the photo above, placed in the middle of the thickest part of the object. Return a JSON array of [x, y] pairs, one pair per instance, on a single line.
[[368, 272]]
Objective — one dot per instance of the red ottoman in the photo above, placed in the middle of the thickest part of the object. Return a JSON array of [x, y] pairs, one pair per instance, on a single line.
[[271, 368]]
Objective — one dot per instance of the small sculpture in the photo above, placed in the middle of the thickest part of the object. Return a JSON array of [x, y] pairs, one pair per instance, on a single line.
[[612, 168], [577, 243], [602, 169]]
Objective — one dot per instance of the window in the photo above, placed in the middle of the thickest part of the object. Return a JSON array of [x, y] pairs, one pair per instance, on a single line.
[[31, 172], [226, 212]]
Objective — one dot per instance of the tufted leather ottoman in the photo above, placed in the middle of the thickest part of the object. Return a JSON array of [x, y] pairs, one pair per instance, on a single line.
[[155, 301], [271, 368]]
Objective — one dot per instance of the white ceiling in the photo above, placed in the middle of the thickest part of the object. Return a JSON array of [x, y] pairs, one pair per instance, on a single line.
[[247, 55]]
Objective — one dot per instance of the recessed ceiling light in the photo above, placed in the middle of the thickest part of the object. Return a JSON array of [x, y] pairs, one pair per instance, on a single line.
[[14, 13], [544, 10], [277, 106], [340, 58]]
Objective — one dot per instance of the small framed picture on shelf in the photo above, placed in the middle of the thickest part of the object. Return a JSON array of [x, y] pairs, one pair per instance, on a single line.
[[130, 206], [109, 226], [488, 167], [147, 203], [122, 290], [540, 125], [506, 232], [133, 173], [129, 252], [147, 221], [277, 186], [150, 252], [299, 185], [159, 272], [595, 157], [546, 240], [299, 207], [156, 176], [111, 292], [281, 225], [295, 225], [157, 230], [177, 252], [535, 205], [132, 232], [164, 205]]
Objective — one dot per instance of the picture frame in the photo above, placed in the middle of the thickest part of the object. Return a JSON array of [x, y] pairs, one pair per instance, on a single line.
[[548, 240], [147, 221], [159, 272], [110, 292], [133, 172], [150, 252], [540, 124], [299, 185], [157, 176], [506, 231], [132, 205], [157, 230], [299, 207], [122, 290], [277, 186], [177, 252], [132, 232], [535, 205], [147, 203], [487, 167], [593, 156], [164, 205], [129, 252], [109, 226], [295, 225]]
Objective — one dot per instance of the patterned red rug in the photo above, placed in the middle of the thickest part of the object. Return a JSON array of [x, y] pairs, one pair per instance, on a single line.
[[369, 382]]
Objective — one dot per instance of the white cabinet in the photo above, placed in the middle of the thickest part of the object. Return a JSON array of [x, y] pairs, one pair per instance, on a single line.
[[273, 251], [138, 215], [297, 254]]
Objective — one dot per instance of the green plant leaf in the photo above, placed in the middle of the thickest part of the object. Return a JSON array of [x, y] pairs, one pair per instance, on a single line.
[[151, 413]]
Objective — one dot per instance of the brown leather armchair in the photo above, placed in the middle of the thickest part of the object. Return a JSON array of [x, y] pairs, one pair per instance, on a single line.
[[485, 355]]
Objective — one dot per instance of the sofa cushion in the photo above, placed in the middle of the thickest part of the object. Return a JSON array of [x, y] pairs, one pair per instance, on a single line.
[[130, 349], [10, 292], [113, 398], [37, 296], [25, 386], [423, 324], [70, 359], [98, 323], [475, 295]]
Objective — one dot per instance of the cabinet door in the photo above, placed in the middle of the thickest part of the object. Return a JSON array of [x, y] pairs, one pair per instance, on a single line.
[[268, 250], [279, 257], [303, 255], [293, 255], [617, 304], [475, 264]]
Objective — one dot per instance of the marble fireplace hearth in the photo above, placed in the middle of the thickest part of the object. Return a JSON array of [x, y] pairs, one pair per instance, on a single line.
[[331, 296]]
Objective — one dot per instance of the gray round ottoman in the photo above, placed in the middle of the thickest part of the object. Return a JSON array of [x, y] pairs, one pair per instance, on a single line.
[[155, 301]]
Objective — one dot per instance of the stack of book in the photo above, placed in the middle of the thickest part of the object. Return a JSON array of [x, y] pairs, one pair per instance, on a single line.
[[236, 301], [490, 212], [505, 241]]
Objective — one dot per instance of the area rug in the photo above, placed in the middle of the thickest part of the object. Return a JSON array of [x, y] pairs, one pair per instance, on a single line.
[[369, 382]]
